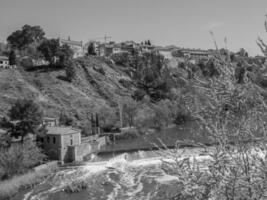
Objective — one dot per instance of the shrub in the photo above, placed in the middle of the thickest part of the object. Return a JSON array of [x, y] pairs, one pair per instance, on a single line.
[[125, 83], [65, 119], [182, 117], [139, 94], [126, 135], [177, 53], [19, 158], [107, 118], [228, 171], [100, 70], [27, 63], [28, 116], [38, 83], [9, 188], [70, 70], [121, 58]]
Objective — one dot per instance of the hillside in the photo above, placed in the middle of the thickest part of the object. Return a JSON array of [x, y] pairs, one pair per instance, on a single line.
[[91, 89]]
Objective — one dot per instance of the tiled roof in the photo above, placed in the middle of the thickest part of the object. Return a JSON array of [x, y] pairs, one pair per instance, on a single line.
[[2, 131], [3, 58], [70, 42], [61, 130], [49, 119]]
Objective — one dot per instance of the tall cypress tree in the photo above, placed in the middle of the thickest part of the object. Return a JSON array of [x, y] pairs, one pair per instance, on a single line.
[[12, 58]]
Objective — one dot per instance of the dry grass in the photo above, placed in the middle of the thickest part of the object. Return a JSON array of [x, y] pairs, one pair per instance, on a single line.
[[11, 187], [87, 94]]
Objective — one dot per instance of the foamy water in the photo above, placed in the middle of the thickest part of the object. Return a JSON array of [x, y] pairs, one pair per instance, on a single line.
[[124, 177]]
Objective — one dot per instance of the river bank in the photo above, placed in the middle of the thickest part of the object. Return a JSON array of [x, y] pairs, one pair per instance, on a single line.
[[9, 188]]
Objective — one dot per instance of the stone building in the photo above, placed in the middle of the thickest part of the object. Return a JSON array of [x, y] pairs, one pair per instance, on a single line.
[[57, 141], [4, 62], [50, 122], [76, 46], [66, 143], [196, 53]]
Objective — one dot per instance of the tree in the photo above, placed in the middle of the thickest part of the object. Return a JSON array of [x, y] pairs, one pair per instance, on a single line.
[[162, 116], [152, 75], [261, 43], [27, 116], [208, 67], [70, 70], [130, 108], [12, 57], [65, 54], [49, 49], [232, 116], [91, 49], [65, 119], [148, 42], [107, 118], [20, 39], [242, 52], [19, 158]]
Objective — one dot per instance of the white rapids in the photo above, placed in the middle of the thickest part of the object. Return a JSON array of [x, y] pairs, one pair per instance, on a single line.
[[123, 177]]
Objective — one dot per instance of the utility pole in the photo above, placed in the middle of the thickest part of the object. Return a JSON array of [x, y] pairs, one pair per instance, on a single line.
[[107, 37]]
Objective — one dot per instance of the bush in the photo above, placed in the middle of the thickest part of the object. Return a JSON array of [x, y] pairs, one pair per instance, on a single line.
[[138, 95], [100, 70], [19, 158], [27, 63], [208, 68], [38, 83], [125, 83], [65, 119], [9, 188], [182, 118], [129, 134], [70, 70], [177, 53], [121, 58]]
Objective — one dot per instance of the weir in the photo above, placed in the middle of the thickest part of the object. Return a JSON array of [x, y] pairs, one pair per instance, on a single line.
[[121, 177]]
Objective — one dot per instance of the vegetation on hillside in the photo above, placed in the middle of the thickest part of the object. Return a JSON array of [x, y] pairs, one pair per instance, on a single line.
[[25, 117], [233, 116]]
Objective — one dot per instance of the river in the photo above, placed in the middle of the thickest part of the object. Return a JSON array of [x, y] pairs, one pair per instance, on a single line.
[[127, 176]]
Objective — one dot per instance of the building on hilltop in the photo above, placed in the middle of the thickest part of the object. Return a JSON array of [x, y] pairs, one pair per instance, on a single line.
[[193, 54], [166, 51], [147, 48], [76, 46], [107, 49], [50, 122], [196, 53], [4, 62]]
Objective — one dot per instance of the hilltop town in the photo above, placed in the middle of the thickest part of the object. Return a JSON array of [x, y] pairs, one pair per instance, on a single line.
[[106, 58]]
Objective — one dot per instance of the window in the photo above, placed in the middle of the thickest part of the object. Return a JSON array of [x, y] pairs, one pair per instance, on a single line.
[[1, 62], [48, 139], [71, 142], [54, 140]]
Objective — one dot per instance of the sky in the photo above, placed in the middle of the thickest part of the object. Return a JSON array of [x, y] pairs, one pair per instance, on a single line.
[[184, 23]]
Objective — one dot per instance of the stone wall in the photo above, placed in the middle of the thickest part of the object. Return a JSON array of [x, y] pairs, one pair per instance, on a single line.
[[71, 139], [102, 141], [52, 145], [76, 153]]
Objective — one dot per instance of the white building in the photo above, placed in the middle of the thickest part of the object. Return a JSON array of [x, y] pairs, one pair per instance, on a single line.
[[76, 46], [4, 62]]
